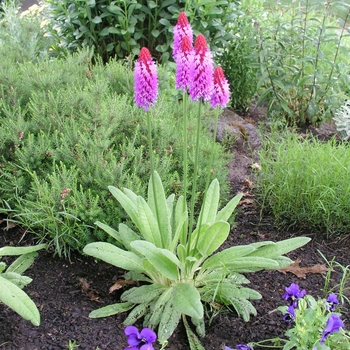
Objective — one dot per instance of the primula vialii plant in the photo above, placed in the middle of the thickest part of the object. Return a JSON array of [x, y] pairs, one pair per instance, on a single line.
[[172, 253]]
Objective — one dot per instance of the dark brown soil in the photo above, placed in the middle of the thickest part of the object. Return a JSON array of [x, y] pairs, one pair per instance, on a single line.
[[65, 292]]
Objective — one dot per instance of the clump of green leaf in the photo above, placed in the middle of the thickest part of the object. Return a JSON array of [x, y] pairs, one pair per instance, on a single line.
[[304, 183], [12, 282], [178, 271], [121, 28], [304, 61]]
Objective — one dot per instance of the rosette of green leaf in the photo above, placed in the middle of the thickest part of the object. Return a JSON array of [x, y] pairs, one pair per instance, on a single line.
[[182, 273], [12, 282]]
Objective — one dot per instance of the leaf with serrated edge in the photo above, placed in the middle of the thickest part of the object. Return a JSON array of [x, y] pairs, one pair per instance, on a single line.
[[110, 310], [19, 301], [114, 256], [187, 300]]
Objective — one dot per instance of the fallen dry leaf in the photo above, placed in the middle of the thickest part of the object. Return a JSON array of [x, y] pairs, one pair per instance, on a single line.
[[301, 272], [120, 284]]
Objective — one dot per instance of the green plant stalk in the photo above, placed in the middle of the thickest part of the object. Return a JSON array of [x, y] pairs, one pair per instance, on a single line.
[[149, 128], [217, 112], [185, 161], [195, 173]]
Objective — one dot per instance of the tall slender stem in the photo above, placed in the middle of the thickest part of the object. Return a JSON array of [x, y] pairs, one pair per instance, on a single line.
[[152, 172], [185, 163], [195, 173]]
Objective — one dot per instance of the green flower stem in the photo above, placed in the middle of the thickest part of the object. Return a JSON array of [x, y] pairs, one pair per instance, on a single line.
[[217, 112], [185, 161], [195, 172], [149, 127]]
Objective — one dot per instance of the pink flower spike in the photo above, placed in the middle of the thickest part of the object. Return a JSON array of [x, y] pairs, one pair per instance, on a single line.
[[181, 29], [201, 80], [221, 91], [146, 80], [184, 60]]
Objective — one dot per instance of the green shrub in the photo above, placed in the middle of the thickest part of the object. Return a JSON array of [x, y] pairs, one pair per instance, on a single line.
[[120, 28], [303, 59], [70, 129], [239, 60], [305, 184]]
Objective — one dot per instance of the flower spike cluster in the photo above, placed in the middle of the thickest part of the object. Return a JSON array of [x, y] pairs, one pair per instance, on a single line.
[[140, 341], [221, 91], [202, 71], [182, 29], [184, 61], [146, 80]]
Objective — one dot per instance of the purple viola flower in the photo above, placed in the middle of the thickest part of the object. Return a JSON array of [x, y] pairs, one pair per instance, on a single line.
[[243, 347], [221, 90], [201, 79], [184, 61], [146, 80], [334, 323], [140, 341], [293, 293], [289, 316], [332, 301], [182, 29]]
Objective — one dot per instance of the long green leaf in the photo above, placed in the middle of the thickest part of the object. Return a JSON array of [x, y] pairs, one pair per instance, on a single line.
[[192, 338], [163, 260], [221, 259], [169, 320], [115, 256], [127, 235], [160, 208], [111, 231], [227, 210], [22, 263], [129, 205], [148, 225], [110, 310], [213, 238], [277, 249], [19, 301], [187, 300], [21, 250], [17, 279], [210, 206], [142, 294]]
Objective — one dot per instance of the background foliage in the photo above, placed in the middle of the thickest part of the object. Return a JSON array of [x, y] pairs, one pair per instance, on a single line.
[[120, 28]]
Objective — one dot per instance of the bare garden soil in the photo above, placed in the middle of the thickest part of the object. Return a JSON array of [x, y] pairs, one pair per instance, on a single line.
[[66, 292]]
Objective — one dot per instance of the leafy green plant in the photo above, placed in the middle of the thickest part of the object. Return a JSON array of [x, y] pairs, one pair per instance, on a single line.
[[180, 273], [120, 28], [172, 250], [303, 60], [12, 282], [304, 183]]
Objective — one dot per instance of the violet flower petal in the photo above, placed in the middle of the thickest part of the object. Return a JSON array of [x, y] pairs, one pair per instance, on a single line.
[[334, 323]]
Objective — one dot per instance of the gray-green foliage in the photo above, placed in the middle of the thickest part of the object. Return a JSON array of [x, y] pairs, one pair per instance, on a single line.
[[304, 62], [69, 129], [305, 183], [120, 28], [177, 266], [12, 282], [342, 120]]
